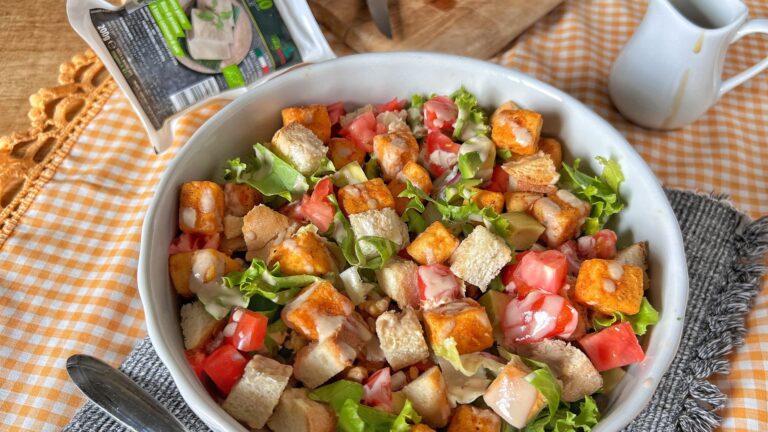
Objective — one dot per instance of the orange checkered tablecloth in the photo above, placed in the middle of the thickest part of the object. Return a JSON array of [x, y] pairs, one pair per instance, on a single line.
[[69, 239]]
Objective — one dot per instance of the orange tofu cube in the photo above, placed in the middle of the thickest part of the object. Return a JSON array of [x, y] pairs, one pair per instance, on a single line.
[[516, 130], [239, 199], [554, 149], [469, 418], [562, 215], [318, 311], [342, 151], [485, 198], [313, 117], [435, 245], [609, 286], [465, 320], [414, 173], [393, 151], [201, 208], [303, 253], [209, 264], [180, 268], [361, 197], [520, 201]]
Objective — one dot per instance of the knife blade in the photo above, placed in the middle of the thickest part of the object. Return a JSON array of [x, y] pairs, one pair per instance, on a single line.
[[119, 396], [380, 13]]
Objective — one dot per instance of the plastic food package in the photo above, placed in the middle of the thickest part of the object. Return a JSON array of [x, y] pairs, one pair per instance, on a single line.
[[172, 56]]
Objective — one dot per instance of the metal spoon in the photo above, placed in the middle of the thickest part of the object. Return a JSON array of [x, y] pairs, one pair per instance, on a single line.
[[119, 396]]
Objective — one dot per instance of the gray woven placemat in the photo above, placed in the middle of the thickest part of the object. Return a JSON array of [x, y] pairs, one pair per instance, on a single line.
[[724, 251]]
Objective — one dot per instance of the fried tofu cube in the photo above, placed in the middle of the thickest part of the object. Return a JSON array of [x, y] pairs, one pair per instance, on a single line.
[[485, 198], [210, 264], [304, 253], [534, 173], [516, 130], [467, 418], [397, 278], [255, 395], [393, 151], [312, 117], [554, 149], [296, 412], [361, 197], [318, 311], [480, 257], [263, 228], [464, 320], [201, 208], [197, 325], [429, 397], [562, 214], [414, 173], [300, 147], [609, 286], [239, 199], [180, 268], [401, 338], [434, 246], [342, 151], [520, 201], [384, 223], [512, 397]]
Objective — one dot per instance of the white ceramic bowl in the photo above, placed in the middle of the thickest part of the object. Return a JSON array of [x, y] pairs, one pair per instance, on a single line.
[[378, 78]]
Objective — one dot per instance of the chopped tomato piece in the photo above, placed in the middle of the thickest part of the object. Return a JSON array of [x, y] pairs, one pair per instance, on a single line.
[[196, 359], [542, 270], [377, 391], [499, 180], [442, 153], [612, 347], [537, 316], [187, 242], [246, 330], [362, 130], [393, 105], [440, 114], [318, 208], [224, 367], [294, 210], [437, 284], [571, 252], [601, 244], [335, 111]]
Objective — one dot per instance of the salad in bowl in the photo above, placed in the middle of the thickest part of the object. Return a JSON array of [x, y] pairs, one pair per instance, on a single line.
[[419, 264]]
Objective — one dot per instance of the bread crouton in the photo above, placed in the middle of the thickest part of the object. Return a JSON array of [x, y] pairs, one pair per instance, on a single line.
[[516, 130], [303, 253], [636, 255], [318, 362], [398, 279], [201, 208], [464, 320], [239, 199], [312, 117], [480, 257], [534, 173], [362, 197], [609, 286], [255, 396], [434, 246], [318, 311], [562, 214], [569, 364], [296, 412], [210, 264], [393, 151], [554, 149], [512, 397], [520, 201], [342, 151], [383, 223], [235, 244], [401, 338], [180, 269], [197, 325], [485, 198], [429, 397], [233, 226], [300, 147], [416, 174], [263, 228], [467, 418]]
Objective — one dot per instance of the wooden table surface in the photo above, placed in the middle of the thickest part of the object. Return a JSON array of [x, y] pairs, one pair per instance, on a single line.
[[35, 38]]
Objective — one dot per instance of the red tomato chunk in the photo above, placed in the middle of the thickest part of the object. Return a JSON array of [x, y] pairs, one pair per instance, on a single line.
[[246, 330], [224, 367], [612, 347], [377, 391]]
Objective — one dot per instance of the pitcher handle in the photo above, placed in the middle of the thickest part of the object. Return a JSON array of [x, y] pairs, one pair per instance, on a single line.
[[754, 26]]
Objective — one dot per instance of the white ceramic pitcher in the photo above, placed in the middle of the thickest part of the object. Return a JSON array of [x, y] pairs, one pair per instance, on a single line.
[[670, 72]]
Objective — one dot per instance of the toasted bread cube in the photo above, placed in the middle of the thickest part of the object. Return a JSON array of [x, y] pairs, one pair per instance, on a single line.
[[562, 214], [255, 396], [636, 255], [235, 244], [429, 397], [534, 173], [414, 173], [180, 268], [397, 278], [485, 198], [239, 199], [394, 151], [210, 264], [300, 147], [516, 130], [197, 325], [512, 397], [467, 418], [383, 223], [464, 320], [401, 338], [263, 228], [434, 246], [480, 257], [318, 362], [361, 197], [313, 117], [342, 151], [296, 412], [201, 208], [520, 201], [609, 286], [303, 253], [554, 149], [233, 226], [318, 311]]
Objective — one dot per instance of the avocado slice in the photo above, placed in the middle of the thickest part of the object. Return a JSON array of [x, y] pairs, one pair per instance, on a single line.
[[351, 173], [494, 303], [524, 230]]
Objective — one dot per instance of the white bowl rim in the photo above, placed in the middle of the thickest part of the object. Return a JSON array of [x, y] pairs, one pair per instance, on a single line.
[[630, 407]]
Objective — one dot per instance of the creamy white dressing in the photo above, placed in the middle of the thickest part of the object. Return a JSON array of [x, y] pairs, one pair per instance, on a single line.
[[512, 399], [609, 286], [443, 158], [615, 270], [549, 210], [207, 202], [189, 216], [570, 199], [207, 264], [327, 325]]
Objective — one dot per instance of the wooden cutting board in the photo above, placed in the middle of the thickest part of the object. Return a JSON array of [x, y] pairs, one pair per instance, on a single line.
[[475, 28]]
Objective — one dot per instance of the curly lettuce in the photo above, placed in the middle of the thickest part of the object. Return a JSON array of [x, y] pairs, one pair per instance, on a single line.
[[601, 192], [351, 245], [415, 116], [268, 174], [647, 316], [259, 280], [472, 120]]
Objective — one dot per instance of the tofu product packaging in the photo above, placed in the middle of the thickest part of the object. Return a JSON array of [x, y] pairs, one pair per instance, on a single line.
[[172, 56]]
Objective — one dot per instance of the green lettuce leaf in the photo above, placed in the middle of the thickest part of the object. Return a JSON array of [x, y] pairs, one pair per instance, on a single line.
[[258, 279], [471, 120], [371, 168], [408, 413], [336, 393], [351, 245], [268, 174], [569, 417], [503, 154], [647, 316], [415, 116], [545, 382], [469, 164], [326, 167], [601, 192]]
